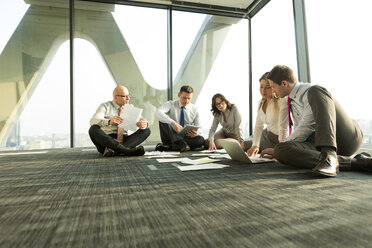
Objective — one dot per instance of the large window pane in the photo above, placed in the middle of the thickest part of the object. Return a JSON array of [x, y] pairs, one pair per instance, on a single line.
[[214, 61], [340, 55], [273, 42], [34, 105], [127, 46]]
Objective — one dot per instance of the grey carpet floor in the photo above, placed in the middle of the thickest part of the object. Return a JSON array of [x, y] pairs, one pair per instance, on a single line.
[[76, 198]]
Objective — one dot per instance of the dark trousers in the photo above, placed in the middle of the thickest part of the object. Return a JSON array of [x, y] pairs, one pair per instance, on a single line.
[[333, 128], [169, 137], [101, 140]]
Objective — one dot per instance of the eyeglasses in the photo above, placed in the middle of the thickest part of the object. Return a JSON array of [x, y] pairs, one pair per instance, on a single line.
[[125, 96], [219, 103]]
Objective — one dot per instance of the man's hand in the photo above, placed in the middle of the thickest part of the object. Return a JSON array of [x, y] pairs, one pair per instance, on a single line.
[[252, 151], [116, 120], [192, 133], [267, 151], [141, 124], [177, 126]]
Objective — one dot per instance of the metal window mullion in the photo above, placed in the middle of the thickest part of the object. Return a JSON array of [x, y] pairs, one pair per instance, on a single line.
[[72, 22], [169, 54], [303, 64], [250, 86]]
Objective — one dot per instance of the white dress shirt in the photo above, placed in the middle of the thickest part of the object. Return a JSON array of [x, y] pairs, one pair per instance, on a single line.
[[104, 114], [276, 121], [171, 111], [233, 123], [303, 118]]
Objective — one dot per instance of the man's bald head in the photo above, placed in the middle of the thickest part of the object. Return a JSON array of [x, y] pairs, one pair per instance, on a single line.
[[121, 95]]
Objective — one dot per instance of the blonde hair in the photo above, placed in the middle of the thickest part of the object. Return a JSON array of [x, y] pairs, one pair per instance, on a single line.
[[274, 97]]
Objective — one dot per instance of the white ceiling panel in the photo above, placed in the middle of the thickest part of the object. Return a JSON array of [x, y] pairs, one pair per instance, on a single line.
[[240, 4]]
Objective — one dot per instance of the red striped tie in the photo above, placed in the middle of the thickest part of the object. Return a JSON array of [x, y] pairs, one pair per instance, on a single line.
[[120, 131]]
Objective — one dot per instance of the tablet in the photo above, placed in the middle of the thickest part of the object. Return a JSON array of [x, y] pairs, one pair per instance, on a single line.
[[188, 128]]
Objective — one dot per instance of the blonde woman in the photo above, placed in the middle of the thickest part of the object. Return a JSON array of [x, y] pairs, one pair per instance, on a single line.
[[272, 112]]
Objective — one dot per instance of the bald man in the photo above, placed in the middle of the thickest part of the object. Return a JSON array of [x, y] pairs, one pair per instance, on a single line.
[[104, 128]]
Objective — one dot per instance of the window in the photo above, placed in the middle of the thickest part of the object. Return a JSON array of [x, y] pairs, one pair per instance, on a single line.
[[34, 106], [214, 61], [127, 46], [340, 53], [273, 42]]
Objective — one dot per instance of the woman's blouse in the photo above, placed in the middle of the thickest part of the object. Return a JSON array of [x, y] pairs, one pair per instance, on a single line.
[[276, 120], [233, 123]]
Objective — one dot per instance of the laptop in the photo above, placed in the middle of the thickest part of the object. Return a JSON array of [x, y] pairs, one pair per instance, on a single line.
[[236, 153]]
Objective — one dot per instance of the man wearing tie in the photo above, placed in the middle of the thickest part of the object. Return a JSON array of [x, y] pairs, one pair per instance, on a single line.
[[324, 136], [110, 139], [173, 116]]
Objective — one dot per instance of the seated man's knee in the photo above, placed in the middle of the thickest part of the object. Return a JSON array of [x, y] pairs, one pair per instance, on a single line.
[[199, 140], [93, 129], [146, 131], [281, 152]]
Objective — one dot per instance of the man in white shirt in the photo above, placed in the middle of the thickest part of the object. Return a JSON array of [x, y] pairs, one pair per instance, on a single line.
[[171, 121], [104, 131], [324, 136]]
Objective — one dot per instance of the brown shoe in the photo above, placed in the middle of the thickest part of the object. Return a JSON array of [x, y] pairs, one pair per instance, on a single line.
[[327, 166]]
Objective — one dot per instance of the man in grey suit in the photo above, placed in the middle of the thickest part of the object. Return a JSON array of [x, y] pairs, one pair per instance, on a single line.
[[324, 136]]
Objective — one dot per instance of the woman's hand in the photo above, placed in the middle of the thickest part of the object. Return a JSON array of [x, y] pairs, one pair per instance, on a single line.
[[212, 146], [252, 151]]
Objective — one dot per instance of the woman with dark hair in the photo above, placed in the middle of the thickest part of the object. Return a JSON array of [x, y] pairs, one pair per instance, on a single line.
[[228, 116], [272, 112]]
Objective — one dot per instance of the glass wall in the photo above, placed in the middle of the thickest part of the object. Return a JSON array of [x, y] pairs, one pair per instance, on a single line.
[[273, 42], [211, 55], [340, 55], [34, 84], [124, 45], [119, 45]]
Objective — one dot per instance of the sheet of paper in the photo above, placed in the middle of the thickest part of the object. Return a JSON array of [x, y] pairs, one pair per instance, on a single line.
[[131, 116], [170, 160], [162, 156], [219, 156], [199, 161], [202, 167], [200, 154], [217, 151], [156, 153]]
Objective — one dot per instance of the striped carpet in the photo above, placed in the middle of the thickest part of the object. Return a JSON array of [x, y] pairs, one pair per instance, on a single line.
[[76, 198]]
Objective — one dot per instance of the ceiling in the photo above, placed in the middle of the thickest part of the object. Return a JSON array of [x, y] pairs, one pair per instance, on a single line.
[[240, 4], [241, 8]]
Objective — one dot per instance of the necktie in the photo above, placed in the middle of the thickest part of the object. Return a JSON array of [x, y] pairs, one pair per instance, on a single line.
[[182, 118], [290, 123], [120, 131]]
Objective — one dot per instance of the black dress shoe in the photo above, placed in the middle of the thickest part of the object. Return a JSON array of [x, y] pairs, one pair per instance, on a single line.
[[108, 152], [362, 161], [327, 166], [162, 147], [180, 145], [136, 151], [198, 149]]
